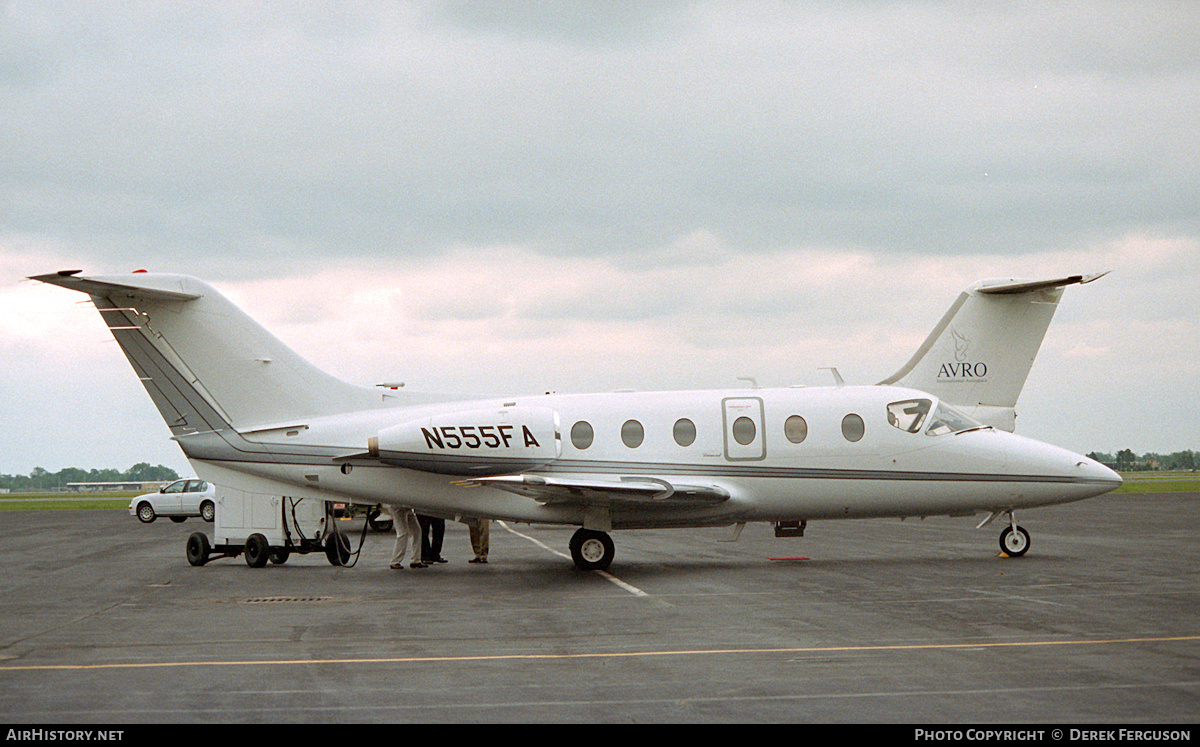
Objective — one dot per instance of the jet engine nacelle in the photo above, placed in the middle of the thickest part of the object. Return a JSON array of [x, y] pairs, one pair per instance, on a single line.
[[484, 442]]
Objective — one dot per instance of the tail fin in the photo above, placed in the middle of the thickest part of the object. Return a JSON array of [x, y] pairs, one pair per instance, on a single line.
[[206, 365], [979, 355]]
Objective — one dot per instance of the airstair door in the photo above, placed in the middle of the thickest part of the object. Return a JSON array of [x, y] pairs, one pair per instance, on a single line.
[[743, 423]]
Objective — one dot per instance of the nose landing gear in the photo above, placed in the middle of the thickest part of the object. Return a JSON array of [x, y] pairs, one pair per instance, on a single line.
[[1014, 541]]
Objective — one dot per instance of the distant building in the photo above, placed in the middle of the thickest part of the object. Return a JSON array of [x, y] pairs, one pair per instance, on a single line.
[[95, 487]]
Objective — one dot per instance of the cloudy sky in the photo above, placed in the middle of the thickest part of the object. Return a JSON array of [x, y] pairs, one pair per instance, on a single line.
[[520, 197]]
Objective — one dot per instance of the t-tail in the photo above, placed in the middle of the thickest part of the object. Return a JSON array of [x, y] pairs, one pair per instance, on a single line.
[[216, 376], [978, 356]]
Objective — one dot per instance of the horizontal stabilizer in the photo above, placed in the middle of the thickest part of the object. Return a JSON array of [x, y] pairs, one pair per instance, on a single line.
[[1007, 287], [138, 285], [631, 490]]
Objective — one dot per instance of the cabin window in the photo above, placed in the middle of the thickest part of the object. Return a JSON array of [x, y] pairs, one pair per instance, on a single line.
[[632, 434], [685, 432], [909, 415], [853, 428], [582, 435], [744, 431], [795, 428]]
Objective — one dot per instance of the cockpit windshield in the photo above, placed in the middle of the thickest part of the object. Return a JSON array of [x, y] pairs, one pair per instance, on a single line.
[[913, 415], [946, 419], [909, 415]]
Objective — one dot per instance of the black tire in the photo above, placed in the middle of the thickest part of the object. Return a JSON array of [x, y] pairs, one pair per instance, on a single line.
[[337, 549], [208, 511], [377, 521], [1014, 544], [279, 555], [197, 549], [258, 551], [145, 513], [592, 550]]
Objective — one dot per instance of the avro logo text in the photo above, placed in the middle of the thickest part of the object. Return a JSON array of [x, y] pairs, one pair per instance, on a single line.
[[963, 370]]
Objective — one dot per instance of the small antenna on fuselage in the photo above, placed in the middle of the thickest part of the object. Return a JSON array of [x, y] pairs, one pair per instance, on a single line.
[[837, 377]]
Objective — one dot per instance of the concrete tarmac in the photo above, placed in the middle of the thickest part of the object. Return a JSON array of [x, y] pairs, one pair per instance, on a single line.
[[102, 621]]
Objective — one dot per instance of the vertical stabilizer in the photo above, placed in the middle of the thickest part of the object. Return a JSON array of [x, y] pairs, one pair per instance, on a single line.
[[979, 355], [207, 366]]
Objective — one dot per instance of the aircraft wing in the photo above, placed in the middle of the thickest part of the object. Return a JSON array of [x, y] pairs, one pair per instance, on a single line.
[[630, 490]]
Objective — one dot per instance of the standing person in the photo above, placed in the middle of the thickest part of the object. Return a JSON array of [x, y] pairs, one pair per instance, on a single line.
[[408, 531], [433, 530], [480, 530]]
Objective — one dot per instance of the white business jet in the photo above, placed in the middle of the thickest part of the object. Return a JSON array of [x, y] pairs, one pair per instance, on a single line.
[[933, 439]]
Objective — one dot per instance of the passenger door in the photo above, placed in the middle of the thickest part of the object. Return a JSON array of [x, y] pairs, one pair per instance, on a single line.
[[742, 418], [170, 502]]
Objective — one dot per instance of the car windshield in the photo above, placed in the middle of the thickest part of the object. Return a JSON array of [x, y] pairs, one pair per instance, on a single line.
[[946, 419]]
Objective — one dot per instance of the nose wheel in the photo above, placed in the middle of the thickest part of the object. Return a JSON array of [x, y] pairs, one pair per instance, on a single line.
[[591, 550], [1014, 541]]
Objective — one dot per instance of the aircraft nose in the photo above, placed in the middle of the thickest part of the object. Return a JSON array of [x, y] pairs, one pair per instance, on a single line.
[[1079, 476], [1095, 472]]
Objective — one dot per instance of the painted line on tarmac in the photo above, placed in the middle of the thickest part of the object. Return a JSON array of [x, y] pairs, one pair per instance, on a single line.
[[600, 655], [605, 574]]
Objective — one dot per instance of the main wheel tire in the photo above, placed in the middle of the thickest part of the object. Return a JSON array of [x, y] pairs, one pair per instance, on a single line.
[[592, 550], [337, 549], [197, 549], [279, 555], [208, 511], [145, 513], [1014, 543], [258, 551]]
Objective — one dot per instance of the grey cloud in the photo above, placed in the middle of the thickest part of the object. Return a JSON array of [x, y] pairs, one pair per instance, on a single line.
[[295, 132]]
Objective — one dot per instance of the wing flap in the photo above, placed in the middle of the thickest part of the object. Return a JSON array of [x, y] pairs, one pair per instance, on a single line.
[[630, 490]]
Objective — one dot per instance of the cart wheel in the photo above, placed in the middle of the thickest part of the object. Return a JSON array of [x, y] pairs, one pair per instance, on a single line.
[[258, 550], [279, 555], [337, 549], [197, 549]]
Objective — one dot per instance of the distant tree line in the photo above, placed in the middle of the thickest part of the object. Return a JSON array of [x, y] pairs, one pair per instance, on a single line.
[[1126, 461], [40, 479]]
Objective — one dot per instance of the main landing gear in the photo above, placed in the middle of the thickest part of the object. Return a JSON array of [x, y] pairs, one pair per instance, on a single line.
[[592, 550]]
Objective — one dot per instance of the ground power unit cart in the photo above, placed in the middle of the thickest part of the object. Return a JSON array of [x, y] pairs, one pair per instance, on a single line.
[[269, 528]]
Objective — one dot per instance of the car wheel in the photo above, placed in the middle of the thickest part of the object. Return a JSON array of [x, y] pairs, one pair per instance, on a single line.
[[145, 513], [377, 521], [208, 511]]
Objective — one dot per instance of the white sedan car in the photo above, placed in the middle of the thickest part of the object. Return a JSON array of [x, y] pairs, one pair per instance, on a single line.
[[178, 501]]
